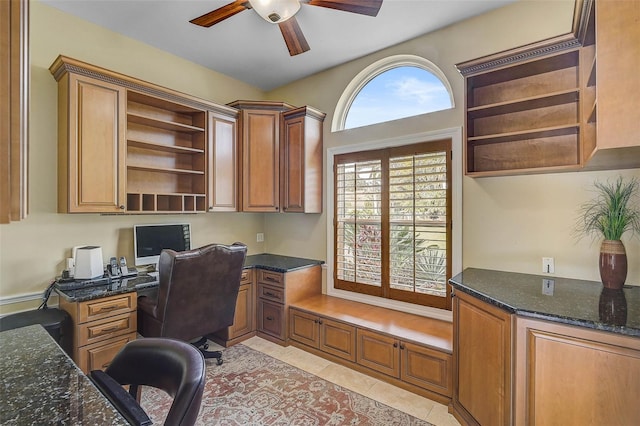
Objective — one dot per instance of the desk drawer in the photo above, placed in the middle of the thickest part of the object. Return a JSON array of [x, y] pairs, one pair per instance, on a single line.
[[106, 307], [271, 278], [271, 293], [98, 356], [246, 277], [103, 329]]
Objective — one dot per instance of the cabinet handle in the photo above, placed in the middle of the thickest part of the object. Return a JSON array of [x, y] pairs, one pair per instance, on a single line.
[[268, 293], [121, 207], [395, 345], [269, 318], [277, 208], [320, 322], [107, 308], [268, 278], [109, 330], [210, 208], [401, 347]]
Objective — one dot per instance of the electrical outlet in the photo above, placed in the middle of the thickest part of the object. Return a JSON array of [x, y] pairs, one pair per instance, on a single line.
[[548, 266], [547, 287], [259, 237]]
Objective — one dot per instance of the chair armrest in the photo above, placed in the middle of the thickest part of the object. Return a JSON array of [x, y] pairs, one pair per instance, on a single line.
[[120, 398]]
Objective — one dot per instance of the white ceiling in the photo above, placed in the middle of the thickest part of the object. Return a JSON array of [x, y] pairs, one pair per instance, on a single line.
[[248, 48]]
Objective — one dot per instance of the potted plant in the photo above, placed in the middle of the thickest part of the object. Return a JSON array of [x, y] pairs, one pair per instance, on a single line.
[[614, 211]]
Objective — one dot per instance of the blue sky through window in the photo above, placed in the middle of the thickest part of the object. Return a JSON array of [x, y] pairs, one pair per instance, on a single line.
[[397, 93]]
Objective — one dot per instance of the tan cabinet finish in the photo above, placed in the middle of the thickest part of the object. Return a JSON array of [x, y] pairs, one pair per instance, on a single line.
[[481, 362], [281, 157], [91, 146], [301, 181], [223, 163], [351, 333], [101, 328], [244, 322], [128, 145], [323, 333], [276, 291], [571, 375], [14, 109]]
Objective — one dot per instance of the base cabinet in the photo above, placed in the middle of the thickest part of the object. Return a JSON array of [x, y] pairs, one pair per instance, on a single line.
[[101, 328], [481, 362], [276, 291], [244, 320], [322, 333], [570, 375]]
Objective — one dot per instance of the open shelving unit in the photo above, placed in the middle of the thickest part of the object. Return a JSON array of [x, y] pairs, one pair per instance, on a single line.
[[166, 155], [523, 110]]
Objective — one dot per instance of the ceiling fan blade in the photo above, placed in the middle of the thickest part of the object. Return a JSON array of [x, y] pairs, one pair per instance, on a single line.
[[220, 14], [296, 43], [363, 7]]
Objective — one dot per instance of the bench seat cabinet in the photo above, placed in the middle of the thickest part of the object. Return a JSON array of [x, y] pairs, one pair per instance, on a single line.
[[101, 328], [325, 334], [276, 291], [244, 321], [407, 361]]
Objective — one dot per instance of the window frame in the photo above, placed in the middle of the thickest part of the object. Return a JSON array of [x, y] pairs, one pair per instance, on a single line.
[[455, 134], [374, 70], [386, 289]]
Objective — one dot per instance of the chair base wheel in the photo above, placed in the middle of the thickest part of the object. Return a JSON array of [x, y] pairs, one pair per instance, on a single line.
[[202, 345]]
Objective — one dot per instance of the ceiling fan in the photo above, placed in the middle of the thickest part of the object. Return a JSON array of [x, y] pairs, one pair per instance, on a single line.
[[282, 12]]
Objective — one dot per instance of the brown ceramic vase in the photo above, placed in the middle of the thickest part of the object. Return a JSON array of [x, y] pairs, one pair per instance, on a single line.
[[613, 264]]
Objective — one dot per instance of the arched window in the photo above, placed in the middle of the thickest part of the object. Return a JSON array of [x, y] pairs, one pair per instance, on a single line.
[[392, 88]]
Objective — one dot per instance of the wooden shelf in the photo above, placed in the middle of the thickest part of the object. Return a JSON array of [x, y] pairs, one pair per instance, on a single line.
[[165, 170], [571, 129], [163, 124], [165, 148], [517, 105]]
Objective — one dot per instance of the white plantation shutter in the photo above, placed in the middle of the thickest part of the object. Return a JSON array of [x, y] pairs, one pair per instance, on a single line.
[[392, 223]]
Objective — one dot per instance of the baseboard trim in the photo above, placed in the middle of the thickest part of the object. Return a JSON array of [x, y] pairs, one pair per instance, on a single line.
[[27, 297]]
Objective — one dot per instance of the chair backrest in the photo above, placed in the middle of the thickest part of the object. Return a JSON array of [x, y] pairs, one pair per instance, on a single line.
[[198, 289], [172, 365]]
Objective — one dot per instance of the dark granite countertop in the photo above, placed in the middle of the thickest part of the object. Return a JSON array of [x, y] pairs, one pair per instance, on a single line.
[[279, 263], [41, 385], [270, 262], [569, 301]]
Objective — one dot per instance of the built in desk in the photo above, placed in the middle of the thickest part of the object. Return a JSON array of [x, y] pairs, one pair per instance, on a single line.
[[42, 385], [532, 349]]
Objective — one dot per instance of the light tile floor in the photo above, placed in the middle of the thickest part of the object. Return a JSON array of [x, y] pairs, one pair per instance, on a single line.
[[378, 390]]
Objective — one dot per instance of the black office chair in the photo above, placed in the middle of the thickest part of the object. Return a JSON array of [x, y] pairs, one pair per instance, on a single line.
[[174, 366], [196, 295]]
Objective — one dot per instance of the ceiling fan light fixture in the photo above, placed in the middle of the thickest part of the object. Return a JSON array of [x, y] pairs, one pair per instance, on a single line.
[[275, 11]]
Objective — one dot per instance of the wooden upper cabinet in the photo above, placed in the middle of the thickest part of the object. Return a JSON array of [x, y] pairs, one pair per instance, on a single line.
[[14, 109], [281, 157], [610, 33], [563, 104], [223, 163], [91, 145], [301, 178]]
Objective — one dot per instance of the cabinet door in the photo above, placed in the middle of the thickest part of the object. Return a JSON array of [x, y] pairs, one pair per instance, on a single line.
[[98, 356], [303, 327], [571, 375], [260, 160], [426, 368], [482, 361], [301, 179], [378, 352], [243, 322], [337, 338], [271, 319], [223, 163], [92, 144]]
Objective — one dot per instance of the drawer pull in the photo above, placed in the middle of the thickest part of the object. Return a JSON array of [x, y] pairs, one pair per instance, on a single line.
[[108, 308], [320, 322], [395, 345], [269, 318], [109, 330], [269, 278], [268, 293]]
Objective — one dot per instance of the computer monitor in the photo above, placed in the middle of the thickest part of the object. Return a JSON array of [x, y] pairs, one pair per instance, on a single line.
[[150, 240]]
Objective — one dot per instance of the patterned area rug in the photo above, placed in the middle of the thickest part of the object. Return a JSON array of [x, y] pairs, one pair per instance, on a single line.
[[252, 388]]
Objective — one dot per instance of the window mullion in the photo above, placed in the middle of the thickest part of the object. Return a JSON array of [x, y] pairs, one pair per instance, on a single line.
[[385, 226]]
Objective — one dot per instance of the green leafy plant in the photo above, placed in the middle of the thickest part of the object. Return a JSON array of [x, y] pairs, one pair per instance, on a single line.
[[612, 212]]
